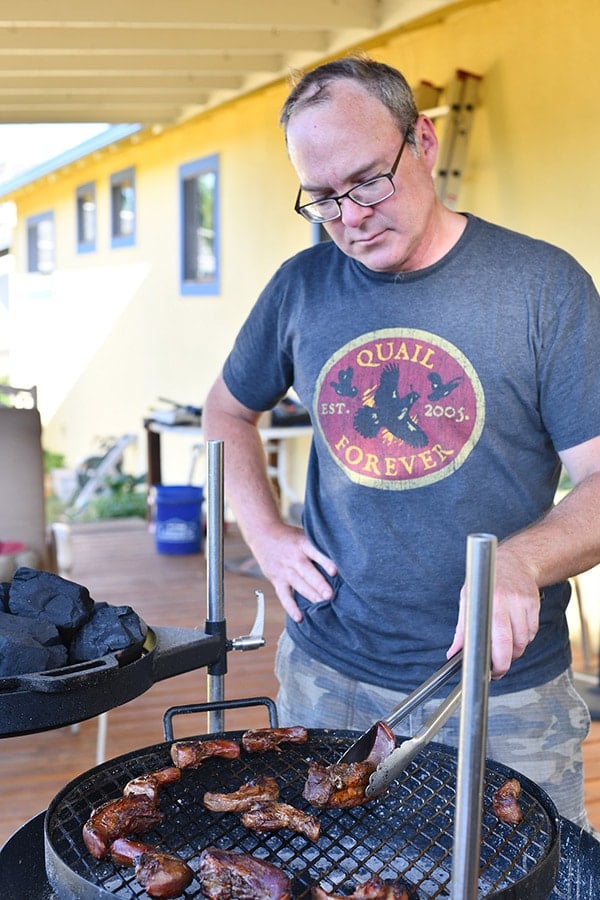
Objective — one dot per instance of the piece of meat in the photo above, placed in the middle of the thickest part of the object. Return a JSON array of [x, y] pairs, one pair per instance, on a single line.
[[384, 743], [373, 889], [262, 788], [150, 784], [342, 785], [230, 875], [337, 786], [190, 754], [118, 818], [259, 740], [506, 802], [271, 815], [160, 874]]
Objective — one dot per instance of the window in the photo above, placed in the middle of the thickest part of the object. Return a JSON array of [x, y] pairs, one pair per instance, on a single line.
[[199, 226], [122, 202], [41, 249], [86, 218]]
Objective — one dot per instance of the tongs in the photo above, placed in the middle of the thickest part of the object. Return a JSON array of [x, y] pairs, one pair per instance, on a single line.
[[390, 767]]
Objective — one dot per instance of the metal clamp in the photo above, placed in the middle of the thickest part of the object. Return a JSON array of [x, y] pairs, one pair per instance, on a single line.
[[255, 639]]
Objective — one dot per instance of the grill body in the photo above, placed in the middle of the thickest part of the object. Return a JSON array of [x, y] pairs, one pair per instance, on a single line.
[[407, 833]]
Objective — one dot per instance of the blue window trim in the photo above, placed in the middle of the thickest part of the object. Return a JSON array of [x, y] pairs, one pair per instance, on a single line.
[[85, 246], [34, 221], [116, 179], [187, 171]]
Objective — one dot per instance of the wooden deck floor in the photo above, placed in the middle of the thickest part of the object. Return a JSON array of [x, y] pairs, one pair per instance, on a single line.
[[118, 563]]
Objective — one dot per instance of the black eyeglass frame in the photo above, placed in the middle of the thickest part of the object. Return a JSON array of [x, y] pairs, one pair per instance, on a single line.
[[302, 210]]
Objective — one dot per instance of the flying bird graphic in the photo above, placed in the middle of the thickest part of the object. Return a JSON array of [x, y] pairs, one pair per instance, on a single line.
[[391, 411], [439, 389], [344, 387]]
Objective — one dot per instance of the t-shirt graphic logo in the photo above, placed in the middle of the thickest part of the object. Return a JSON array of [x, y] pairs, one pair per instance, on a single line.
[[399, 408]]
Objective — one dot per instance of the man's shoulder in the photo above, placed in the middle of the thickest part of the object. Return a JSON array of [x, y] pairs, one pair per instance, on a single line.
[[510, 240]]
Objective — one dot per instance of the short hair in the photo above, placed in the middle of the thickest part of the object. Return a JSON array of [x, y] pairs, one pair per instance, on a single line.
[[384, 82]]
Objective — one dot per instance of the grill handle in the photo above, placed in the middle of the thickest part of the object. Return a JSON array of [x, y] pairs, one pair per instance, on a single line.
[[480, 572], [221, 705]]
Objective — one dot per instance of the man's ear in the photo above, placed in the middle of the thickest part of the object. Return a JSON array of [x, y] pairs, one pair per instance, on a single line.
[[427, 140]]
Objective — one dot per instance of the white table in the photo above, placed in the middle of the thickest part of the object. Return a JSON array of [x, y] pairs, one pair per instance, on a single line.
[[275, 440]]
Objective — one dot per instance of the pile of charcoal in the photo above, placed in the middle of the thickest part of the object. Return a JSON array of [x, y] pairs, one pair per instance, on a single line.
[[47, 622]]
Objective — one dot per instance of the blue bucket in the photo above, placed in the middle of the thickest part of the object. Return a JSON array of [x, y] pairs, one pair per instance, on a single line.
[[178, 519]]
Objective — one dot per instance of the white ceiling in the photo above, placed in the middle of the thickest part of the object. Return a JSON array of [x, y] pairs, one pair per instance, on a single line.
[[161, 61]]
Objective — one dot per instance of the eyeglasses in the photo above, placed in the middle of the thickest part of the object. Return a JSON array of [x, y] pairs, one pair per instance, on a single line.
[[367, 193]]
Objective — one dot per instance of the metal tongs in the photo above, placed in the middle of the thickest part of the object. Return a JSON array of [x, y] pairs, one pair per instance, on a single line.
[[398, 759]]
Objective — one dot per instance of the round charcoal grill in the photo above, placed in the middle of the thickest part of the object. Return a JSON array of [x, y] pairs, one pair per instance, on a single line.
[[407, 833]]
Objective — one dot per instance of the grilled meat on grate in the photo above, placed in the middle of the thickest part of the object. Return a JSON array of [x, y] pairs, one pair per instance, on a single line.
[[271, 815], [150, 784], [229, 875], [118, 818], [259, 740], [160, 874], [264, 787], [190, 754], [337, 786], [506, 802], [343, 784], [373, 889]]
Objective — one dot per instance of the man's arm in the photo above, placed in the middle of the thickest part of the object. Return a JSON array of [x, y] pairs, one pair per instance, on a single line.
[[283, 551], [564, 543]]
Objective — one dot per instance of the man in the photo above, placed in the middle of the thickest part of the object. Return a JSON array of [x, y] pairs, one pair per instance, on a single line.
[[450, 367]]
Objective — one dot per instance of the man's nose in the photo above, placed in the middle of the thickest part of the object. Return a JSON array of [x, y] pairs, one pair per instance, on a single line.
[[353, 213]]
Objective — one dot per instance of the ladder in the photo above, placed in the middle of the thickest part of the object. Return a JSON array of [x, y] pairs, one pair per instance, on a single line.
[[461, 99]]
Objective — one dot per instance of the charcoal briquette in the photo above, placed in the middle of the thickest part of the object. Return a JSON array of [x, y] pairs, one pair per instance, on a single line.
[[28, 646], [109, 629], [50, 598]]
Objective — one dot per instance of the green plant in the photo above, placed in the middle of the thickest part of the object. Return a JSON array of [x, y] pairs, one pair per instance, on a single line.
[[53, 461], [120, 498]]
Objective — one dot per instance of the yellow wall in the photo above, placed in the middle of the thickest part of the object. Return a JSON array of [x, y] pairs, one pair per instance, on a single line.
[[108, 333]]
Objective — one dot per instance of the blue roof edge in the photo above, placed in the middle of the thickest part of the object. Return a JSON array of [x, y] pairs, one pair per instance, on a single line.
[[109, 136]]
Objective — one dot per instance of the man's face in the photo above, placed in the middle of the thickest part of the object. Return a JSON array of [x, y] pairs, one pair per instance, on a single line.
[[349, 139]]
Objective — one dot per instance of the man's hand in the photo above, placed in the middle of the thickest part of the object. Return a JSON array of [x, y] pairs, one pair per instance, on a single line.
[[287, 559], [515, 612]]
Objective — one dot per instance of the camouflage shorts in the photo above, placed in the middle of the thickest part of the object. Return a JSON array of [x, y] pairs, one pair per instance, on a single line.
[[538, 732]]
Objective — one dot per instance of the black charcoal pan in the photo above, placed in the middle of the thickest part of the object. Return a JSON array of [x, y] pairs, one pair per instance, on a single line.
[[45, 700]]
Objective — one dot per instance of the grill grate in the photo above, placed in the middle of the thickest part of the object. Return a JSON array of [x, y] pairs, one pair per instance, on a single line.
[[406, 833]]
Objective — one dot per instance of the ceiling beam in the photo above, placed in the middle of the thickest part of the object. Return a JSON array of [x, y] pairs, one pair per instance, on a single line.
[[195, 13], [100, 41], [238, 63], [147, 80]]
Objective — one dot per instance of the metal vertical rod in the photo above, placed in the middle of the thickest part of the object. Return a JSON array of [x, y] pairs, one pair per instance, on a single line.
[[479, 589], [215, 685]]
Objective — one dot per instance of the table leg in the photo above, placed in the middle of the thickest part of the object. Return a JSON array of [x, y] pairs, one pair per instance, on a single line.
[[154, 474]]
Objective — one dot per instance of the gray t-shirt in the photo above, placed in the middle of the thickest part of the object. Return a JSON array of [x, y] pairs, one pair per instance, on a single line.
[[439, 399]]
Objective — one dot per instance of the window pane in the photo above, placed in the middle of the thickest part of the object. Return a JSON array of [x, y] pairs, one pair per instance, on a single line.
[[200, 262], [200, 250], [122, 196], [41, 244], [86, 217], [123, 209]]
